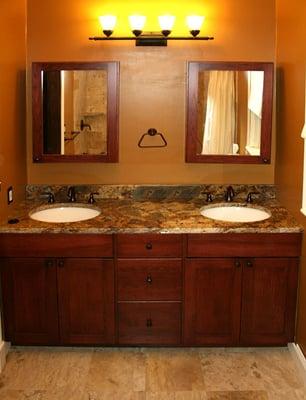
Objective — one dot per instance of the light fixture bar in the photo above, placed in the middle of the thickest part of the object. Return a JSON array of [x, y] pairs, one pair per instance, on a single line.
[[151, 39]]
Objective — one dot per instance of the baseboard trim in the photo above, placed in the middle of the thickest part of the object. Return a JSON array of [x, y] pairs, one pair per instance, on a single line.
[[299, 359], [4, 349]]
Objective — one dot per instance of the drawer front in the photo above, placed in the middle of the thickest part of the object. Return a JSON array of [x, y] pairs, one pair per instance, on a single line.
[[149, 323], [149, 245], [244, 245], [56, 245], [149, 280]]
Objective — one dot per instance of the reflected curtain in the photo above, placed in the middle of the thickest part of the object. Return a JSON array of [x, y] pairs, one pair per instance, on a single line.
[[255, 83], [219, 127]]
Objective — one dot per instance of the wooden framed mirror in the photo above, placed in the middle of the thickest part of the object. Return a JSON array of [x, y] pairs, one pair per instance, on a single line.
[[75, 111], [229, 112]]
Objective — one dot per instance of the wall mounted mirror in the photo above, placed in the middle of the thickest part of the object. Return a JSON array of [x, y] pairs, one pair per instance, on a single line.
[[75, 111], [229, 112]]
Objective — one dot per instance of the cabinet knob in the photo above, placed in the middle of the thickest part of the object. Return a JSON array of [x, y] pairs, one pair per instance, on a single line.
[[49, 263], [61, 263], [237, 264], [249, 264], [149, 246], [149, 323], [149, 279]]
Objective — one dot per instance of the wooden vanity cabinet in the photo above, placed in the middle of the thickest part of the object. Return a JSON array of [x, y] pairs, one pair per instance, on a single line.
[[64, 296], [29, 293], [247, 295], [149, 289]]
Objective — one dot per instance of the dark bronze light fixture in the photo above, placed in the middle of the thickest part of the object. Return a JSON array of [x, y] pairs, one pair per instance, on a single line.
[[161, 38]]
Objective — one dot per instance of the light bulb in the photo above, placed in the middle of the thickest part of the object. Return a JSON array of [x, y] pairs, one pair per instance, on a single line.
[[108, 23], [166, 23], [194, 23], [137, 23]]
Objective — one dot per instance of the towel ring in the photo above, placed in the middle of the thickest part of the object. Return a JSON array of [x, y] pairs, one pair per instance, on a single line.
[[152, 132]]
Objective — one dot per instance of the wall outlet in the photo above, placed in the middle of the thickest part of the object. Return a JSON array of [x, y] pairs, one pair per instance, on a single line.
[[10, 195]]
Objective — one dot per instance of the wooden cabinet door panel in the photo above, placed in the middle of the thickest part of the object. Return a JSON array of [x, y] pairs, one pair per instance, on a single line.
[[86, 301], [269, 300], [149, 323], [30, 300], [212, 301], [149, 279]]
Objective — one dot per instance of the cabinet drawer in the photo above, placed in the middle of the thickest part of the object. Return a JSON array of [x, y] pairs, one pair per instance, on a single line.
[[244, 245], [149, 245], [55, 245], [149, 323], [149, 279]]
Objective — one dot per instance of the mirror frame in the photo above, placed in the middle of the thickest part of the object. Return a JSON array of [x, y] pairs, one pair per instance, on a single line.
[[112, 154], [193, 69]]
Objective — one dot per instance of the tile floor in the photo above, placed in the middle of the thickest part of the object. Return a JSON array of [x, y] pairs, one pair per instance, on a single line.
[[150, 374]]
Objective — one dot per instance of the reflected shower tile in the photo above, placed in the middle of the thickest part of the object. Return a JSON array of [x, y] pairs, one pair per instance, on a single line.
[[183, 395], [237, 395]]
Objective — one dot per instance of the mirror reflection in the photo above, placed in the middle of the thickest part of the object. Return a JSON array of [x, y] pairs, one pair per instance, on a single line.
[[230, 112], [74, 109]]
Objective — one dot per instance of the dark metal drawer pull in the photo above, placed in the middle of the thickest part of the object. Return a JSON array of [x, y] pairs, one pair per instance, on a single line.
[[149, 246], [61, 263], [49, 263], [149, 279], [149, 323], [249, 264], [237, 264]]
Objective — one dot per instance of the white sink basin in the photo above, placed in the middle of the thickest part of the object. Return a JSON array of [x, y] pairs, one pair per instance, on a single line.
[[65, 213], [235, 213]]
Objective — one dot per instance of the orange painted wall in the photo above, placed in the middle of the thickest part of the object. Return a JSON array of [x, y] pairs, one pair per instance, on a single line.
[[152, 81], [12, 100], [291, 64]]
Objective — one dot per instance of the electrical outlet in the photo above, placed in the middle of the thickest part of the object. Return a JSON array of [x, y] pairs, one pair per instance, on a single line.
[[10, 195]]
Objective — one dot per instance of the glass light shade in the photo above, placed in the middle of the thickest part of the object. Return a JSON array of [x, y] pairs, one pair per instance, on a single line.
[[194, 22], [166, 22], [137, 22], [108, 22]]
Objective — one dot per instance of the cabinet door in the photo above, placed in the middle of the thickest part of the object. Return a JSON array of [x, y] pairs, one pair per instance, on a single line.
[[30, 300], [269, 299], [212, 301], [86, 301]]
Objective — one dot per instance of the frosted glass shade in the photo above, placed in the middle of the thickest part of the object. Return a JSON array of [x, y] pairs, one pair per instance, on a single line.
[[108, 22]]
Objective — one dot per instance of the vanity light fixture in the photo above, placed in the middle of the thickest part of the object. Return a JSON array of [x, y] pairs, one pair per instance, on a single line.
[[108, 23], [194, 23], [141, 38], [137, 23], [166, 23]]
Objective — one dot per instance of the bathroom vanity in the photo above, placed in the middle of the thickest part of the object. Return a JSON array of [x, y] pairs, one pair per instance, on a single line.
[[115, 283]]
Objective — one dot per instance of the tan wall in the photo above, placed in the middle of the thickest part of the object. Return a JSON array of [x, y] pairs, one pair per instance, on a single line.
[[152, 82], [12, 100], [291, 63]]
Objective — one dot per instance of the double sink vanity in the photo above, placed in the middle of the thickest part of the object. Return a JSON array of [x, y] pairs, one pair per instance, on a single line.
[[150, 266]]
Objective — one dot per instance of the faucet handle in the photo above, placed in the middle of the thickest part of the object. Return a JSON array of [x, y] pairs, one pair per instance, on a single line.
[[51, 198], [91, 199], [249, 198], [209, 198]]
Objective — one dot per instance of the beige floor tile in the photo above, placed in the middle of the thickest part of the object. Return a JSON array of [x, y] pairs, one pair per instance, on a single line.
[[11, 394], [116, 370], [299, 394], [255, 370], [238, 395], [173, 370], [45, 369], [183, 395], [116, 396]]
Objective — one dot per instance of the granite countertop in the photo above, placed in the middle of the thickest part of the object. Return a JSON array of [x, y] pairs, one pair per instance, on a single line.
[[130, 216]]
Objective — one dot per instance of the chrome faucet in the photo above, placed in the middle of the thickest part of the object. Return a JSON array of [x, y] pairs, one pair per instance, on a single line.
[[71, 194], [229, 194]]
